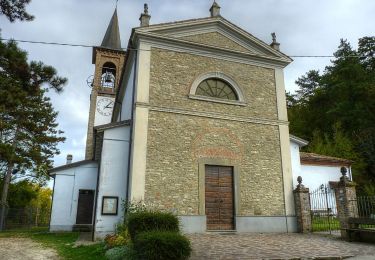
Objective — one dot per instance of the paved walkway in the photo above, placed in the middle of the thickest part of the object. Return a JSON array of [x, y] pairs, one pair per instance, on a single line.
[[25, 249], [276, 246]]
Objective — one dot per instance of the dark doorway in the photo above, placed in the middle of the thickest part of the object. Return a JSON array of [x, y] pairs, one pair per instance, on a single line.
[[85, 207], [219, 197]]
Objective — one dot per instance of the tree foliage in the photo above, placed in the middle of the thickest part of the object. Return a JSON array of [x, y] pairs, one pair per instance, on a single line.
[[336, 109], [28, 128], [15, 10]]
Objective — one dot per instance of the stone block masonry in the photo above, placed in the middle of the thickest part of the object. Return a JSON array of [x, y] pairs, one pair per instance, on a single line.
[[177, 142]]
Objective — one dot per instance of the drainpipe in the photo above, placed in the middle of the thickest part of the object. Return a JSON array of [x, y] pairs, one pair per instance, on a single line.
[[96, 190]]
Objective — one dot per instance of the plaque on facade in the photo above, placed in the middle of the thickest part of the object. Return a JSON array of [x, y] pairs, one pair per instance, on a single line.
[[109, 205]]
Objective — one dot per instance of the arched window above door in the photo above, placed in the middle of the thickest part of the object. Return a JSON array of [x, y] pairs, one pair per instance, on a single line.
[[216, 87]]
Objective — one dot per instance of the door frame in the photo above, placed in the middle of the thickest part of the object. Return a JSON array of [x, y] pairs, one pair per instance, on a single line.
[[92, 215], [202, 183]]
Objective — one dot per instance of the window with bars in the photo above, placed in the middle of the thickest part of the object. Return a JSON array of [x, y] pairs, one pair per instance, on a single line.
[[216, 88]]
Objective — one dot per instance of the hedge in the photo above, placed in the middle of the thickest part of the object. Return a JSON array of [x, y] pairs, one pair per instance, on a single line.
[[139, 222], [160, 245]]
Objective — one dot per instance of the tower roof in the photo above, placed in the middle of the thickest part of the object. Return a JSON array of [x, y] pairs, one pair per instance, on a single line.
[[112, 35]]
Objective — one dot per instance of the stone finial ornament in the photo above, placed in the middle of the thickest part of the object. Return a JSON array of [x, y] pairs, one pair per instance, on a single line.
[[299, 180], [145, 17], [215, 9], [344, 178], [343, 171], [274, 43]]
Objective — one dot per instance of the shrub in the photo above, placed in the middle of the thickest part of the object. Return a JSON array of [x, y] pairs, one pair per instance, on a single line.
[[162, 245], [120, 253], [116, 240], [139, 222]]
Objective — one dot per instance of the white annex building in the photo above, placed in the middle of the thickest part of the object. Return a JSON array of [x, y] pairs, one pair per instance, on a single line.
[[190, 117]]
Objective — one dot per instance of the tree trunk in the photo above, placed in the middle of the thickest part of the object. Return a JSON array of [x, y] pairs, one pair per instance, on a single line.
[[4, 196]]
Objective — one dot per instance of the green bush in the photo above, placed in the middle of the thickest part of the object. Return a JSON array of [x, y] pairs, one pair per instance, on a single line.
[[120, 253], [116, 240], [161, 245], [139, 222]]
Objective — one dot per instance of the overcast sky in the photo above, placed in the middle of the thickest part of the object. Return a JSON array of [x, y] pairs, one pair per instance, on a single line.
[[303, 27]]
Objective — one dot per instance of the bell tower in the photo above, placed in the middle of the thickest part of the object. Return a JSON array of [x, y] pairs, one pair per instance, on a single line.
[[109, 60]]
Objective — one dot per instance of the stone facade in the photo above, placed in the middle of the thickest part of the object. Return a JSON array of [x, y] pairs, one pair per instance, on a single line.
[[215, 39], [178, 139], [173, 73]]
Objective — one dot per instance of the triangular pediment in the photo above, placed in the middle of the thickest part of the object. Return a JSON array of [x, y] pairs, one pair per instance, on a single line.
[[215, 32]]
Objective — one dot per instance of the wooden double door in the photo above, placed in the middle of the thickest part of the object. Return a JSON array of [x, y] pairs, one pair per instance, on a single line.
[[219, 197]]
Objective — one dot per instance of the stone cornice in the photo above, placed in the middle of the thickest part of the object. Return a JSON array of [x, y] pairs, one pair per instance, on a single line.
[[183, 46], [176, 28], [213, 115]]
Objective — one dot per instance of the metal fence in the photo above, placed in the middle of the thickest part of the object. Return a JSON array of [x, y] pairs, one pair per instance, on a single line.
[[363, 208], [26, 218], [324, 210]]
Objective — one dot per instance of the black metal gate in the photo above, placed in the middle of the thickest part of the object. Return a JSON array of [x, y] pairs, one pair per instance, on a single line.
[[324, 210]]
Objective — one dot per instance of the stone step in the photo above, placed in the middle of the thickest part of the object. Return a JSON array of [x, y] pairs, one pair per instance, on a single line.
[[82, 228]]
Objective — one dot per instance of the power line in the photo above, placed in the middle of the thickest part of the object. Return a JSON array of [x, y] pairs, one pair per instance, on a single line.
[[91, 46]]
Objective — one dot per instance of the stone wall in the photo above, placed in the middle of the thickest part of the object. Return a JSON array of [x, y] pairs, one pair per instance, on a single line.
[[172, 75], [177, 140], [176, 143], [215, 39]]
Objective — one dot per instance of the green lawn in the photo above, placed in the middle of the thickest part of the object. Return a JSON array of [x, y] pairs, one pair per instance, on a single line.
[[325, 224], [62, 242]]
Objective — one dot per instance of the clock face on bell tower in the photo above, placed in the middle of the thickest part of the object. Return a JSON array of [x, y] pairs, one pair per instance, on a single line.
[[104, 109], [105, 106]]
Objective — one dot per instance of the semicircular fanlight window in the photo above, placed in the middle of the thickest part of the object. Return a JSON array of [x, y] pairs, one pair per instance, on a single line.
[[216, 88]]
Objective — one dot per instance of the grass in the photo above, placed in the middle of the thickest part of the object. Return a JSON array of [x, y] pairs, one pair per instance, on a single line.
[[325, 224], [62, 242]]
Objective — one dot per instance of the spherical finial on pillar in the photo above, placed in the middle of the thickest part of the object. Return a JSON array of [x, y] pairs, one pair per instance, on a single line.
[[299, 180], [343, 171], [145, 7]]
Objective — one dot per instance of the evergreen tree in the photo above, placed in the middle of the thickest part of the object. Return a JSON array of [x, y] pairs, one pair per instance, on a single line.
[[15, 10], [28, 128], [343, 94]]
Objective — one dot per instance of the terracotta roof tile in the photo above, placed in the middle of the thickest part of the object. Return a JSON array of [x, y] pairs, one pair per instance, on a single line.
[[319, 159]]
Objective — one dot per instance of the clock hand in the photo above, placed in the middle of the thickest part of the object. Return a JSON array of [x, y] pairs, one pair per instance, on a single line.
[[108, 106]]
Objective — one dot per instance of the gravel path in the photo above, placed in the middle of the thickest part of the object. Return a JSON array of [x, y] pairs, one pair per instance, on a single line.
[[275, 246], [25, 249]]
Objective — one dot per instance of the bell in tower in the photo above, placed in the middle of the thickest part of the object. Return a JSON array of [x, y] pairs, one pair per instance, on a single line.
[[108, 78]]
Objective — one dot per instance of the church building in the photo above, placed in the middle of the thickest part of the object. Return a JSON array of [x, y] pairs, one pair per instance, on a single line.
[[191, 118]]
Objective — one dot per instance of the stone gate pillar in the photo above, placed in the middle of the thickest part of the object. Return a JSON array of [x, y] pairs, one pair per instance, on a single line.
[[346, 201], [303, 211]]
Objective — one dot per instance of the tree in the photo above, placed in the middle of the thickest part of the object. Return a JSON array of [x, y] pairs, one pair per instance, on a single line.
[[15, 9], [28, 128], [343, 94]]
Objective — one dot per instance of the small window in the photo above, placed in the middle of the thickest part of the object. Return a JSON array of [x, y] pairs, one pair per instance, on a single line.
[[216, 88]]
